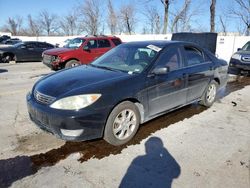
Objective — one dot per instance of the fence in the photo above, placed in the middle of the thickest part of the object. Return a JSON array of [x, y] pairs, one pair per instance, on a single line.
[[226, 45]]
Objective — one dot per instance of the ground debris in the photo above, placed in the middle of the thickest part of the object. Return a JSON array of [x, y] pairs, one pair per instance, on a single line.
[[234, 103]]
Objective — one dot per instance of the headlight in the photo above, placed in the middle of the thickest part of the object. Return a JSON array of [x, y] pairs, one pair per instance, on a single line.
[[236, 56], [75, 102]]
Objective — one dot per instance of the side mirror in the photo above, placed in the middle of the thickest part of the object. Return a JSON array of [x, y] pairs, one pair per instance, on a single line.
[[238, 49], [160, 71], [86, 48]]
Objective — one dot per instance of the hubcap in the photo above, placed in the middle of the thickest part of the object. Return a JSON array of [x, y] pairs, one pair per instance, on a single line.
[[124, 124], [74, 64], [7, 59], [211, 93]]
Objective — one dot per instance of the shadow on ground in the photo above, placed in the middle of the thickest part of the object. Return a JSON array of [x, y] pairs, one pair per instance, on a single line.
[[3, 70], [157, 168]]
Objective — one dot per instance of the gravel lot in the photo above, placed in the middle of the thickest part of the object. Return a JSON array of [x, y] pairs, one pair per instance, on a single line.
[[191, 147]]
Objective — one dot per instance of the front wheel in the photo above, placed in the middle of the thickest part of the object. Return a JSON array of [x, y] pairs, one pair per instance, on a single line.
[[122, 123], [72, 63], [7, 58], [208, 97]]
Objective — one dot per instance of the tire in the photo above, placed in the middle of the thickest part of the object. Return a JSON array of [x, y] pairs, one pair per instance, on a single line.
[[7, 58], [72, 63], [122, 124], [209, 95]]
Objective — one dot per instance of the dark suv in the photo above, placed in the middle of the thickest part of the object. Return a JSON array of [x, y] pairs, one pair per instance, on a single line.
[[82, 50], [240, 61]]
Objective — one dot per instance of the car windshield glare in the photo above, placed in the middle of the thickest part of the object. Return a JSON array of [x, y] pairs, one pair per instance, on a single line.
[[246, 47], [74, 43], [128, 58]]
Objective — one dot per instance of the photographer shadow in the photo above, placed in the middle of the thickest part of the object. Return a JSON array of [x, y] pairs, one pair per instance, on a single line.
[[157, 168]]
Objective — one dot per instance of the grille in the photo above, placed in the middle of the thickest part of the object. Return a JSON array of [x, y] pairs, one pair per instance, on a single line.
[[246, 58], [44, 99]]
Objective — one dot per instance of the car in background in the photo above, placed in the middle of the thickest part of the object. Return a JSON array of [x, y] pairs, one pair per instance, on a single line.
[[240, 61], [127, 86], [4, 37], [62, 44], [77, 51], [9, 42], [24, 51]]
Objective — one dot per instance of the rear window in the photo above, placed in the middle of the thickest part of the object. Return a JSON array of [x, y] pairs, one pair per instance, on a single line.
[[116, 41]]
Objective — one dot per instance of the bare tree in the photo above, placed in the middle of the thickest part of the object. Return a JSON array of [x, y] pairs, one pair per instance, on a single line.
[[68, 24], [181, 15], [242, 11], [48, 22], [112, 18], [166, 4], [14, 25], [127, 17], [90, 12], [223, 26], [153, 17], [33, 27], [212, 15]]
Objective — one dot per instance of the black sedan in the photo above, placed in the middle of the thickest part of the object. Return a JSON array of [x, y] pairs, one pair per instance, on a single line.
[[24, 51], [240, 61], [129, 85]]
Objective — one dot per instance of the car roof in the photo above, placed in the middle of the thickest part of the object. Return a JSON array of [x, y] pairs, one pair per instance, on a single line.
[[98, 37], [162, 43]]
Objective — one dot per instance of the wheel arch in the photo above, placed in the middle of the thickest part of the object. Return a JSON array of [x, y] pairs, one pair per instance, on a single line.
[[216, 79]]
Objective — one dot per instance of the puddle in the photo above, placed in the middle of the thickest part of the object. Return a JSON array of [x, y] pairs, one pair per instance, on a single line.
[[99, 148]]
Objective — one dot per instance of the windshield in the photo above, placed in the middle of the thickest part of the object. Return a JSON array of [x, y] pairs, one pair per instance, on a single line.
[[128, 58], [74, 43], [18, 44], [246, 47]]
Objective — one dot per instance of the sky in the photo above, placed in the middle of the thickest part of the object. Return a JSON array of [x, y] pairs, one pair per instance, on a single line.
[[13, 8]]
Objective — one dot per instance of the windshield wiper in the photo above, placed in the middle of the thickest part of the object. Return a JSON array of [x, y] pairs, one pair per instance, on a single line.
[[106, 68]]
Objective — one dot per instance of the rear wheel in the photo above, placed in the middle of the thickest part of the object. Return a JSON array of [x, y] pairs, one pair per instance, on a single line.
[[122, 123], [208, 97], [72, 63]]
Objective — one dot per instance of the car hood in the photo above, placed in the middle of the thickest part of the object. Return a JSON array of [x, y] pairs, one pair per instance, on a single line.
[[243, 52], [86, 78], [57, 51], [6, 48]]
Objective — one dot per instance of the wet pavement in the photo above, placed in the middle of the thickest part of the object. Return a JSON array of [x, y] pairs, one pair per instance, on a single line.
[[19, 167]]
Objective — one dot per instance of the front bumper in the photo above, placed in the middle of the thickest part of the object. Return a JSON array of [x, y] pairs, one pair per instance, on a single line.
[[238, 67], [91, 122]]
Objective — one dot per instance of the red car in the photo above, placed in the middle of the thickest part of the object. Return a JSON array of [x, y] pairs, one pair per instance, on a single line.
[[82, 50]]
